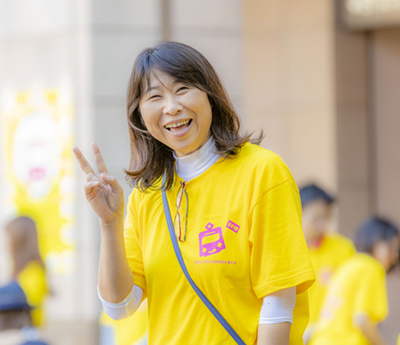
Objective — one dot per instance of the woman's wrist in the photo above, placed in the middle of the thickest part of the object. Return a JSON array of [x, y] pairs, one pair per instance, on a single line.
[[112, 226]]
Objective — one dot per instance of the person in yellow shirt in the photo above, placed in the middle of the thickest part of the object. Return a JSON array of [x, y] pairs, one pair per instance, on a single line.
[[28, 273], [28, 267], [356, 300], [328, 250], [205, 190]]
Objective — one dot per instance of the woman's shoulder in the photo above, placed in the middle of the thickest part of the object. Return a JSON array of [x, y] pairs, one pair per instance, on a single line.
[[258, 156], [365, 265], [33, 277], [254, 150], [32, 268], [263, 164], [339, 241]]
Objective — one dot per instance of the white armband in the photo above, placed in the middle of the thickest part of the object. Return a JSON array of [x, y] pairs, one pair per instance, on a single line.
[[126, 307], [278, 306]]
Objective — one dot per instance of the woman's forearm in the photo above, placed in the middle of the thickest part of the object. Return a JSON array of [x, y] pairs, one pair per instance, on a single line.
[[274, 334], [115, 277]]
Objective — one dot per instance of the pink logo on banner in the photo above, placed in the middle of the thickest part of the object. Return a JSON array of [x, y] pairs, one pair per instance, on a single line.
[[211, 241], [233, 226]]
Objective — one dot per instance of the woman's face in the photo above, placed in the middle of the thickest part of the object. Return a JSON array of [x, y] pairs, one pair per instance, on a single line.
[[316, 219], [176, 114], [387, 252]]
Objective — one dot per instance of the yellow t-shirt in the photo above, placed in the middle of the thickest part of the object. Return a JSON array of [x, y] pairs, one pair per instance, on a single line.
[[244, 241], [358, 287], [33, 282], [333, 250], [129, 331]]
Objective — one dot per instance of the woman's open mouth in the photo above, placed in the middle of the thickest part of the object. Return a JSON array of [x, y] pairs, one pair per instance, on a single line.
[[179, 127]]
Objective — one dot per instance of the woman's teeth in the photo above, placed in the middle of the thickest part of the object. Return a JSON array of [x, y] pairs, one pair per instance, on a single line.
[[177, 124]]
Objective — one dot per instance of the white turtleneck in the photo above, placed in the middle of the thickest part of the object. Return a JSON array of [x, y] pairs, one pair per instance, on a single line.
[[193, 165], [277, 307]]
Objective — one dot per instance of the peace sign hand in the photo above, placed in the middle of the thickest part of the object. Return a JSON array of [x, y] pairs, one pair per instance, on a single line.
[[103, 191]]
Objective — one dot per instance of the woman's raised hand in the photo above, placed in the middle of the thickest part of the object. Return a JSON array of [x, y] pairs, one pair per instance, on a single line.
[[102, 190]]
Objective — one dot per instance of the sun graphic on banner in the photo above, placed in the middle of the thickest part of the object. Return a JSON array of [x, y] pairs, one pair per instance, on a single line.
[[38, 170]]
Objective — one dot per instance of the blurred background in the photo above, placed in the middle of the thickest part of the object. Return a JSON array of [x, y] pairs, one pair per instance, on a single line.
[[321, 77]]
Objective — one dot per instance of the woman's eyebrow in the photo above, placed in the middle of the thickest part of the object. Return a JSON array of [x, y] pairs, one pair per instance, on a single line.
[[155, 87], [152, 88]]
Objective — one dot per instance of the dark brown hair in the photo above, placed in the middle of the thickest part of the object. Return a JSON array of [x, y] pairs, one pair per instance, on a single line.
[[149, 157], [23, 243], [372, 231]]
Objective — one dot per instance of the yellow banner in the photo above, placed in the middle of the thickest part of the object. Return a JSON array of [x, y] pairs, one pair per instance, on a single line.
[[38, 170]]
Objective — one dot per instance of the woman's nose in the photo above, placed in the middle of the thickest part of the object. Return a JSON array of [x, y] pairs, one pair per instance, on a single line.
[[172, 106]]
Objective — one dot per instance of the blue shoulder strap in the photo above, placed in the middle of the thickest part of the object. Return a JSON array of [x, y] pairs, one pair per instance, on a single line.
[[178, 254]]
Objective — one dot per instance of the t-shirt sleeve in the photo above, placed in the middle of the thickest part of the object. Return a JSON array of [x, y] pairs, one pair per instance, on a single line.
[[133, 246], [371, 298], [279, 253]]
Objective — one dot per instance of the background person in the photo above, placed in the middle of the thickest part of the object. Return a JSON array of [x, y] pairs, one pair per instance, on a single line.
[[241, 238], [356, 300], [328, 250], [28, 269], [14, 314]]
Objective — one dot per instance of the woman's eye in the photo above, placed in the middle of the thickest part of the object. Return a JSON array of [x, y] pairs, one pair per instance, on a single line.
[[182, 88], [154, 96]]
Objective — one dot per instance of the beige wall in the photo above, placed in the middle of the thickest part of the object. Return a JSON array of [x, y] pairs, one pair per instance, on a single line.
[[353, 130], [386, 108], [289, 83], [385, 71]]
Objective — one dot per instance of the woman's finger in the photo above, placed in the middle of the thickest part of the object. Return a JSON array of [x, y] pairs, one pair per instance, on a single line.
[[105, 187], [88, 186], [111, 181], [83, 163], [100, 183], [91, 177], [92, 184], [101, 165]]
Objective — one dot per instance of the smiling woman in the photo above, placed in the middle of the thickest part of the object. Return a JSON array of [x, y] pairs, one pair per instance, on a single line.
[[236, 228]]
